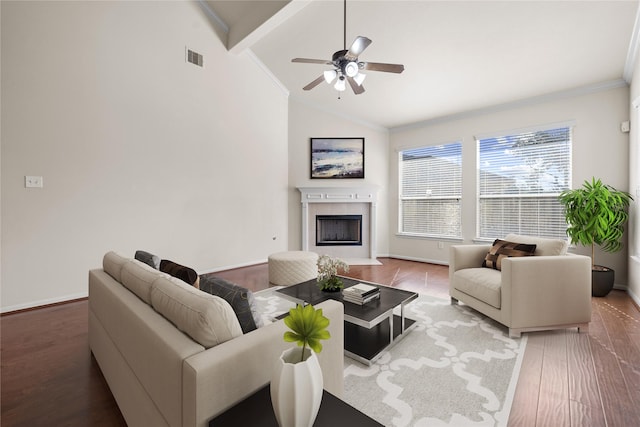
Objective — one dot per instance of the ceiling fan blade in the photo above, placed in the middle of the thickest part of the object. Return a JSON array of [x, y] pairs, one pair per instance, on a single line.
[[357, 47], [312, 61], [357, 89], [314, 83], [379, 66]]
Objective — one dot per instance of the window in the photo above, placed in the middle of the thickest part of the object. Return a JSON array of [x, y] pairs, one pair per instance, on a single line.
[[431, 191], [520, 177]]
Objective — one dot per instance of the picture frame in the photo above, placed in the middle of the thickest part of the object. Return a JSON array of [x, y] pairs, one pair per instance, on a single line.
[[337, 158]]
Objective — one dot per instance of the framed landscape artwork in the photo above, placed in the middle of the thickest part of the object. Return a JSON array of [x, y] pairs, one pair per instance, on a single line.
[[336, 158]]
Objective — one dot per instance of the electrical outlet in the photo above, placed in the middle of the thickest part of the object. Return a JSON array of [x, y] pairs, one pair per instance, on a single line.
[[31, 181], [624, 126], [440, 245]]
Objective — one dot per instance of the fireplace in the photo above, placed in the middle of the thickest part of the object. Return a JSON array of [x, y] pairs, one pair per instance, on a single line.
[[338, 230], [348, 203]]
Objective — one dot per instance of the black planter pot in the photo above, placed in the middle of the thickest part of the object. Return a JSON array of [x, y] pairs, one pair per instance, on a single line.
[[602, 279]]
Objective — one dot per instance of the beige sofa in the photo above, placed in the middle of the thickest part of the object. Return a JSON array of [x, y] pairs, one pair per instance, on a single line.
[[161, 376], [549, 290]]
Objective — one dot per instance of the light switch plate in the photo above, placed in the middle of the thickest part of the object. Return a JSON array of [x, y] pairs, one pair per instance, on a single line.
[[31, 181]]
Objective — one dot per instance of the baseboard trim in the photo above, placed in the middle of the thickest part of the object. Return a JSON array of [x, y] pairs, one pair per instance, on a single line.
[[428, 261], [12, 309], [232, 267], [634, 297]]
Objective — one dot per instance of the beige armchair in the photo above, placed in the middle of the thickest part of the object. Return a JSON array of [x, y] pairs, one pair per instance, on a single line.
[[550, 290]]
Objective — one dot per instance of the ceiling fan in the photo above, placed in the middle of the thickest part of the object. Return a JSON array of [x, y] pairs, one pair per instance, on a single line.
[[346, 66]]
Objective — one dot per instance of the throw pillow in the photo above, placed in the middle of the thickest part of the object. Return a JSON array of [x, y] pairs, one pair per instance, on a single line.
[[544, 246], [240, 299], [502, 249], [150, 259], [181, 272]]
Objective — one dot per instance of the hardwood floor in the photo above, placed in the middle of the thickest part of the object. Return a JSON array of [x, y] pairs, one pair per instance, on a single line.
[[49, 377]]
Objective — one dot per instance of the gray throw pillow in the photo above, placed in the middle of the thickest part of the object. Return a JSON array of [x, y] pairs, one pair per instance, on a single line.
[[150, 259], [240, 299]]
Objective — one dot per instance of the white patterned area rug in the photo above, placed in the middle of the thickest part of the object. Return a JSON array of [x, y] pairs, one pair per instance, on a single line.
[[455, 368]]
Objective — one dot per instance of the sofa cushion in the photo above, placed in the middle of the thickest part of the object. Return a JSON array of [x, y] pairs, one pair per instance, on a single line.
[[186, 274], [481, 283], [502, 249], [207, 319], [240, 299], [112, 263], [150, 259], [544, 246], [138, 277]]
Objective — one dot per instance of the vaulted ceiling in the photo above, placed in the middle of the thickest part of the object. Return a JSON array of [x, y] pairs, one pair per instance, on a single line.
[[459, 56]]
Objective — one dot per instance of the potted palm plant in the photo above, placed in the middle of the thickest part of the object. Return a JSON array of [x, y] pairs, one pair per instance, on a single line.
[[596, 215], [296, 385]]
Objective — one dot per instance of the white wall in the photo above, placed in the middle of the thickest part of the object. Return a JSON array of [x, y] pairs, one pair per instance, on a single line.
[[634, 185], [306, 122], [599, 149], [138, 149]]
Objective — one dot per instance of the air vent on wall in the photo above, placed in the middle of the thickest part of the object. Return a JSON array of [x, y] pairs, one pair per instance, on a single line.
[[194, 57]]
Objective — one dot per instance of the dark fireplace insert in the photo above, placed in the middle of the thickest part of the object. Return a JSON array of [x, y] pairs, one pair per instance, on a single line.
[[338, 230]]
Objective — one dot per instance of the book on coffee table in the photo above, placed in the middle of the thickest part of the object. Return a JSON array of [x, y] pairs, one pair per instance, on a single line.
[[360, 293], [360, 289], [359, 300]]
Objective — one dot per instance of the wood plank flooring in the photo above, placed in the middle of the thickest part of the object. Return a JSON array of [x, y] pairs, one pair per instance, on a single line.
[[48, 376]]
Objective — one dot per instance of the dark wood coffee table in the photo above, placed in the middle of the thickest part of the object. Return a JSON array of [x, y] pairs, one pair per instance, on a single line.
[[256, 411], [368, 329]]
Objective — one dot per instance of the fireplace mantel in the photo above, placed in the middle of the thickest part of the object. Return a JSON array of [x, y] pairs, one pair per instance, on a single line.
[[326, 195], [338, 194]]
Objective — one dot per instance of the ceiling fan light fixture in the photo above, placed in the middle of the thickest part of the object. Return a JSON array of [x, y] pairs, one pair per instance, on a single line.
[[346, 66], [359, 78], [351, 69], [329, 75]]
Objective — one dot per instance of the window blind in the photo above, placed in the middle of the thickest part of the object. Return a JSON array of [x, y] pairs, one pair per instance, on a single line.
[[431, 191], [519, 179]]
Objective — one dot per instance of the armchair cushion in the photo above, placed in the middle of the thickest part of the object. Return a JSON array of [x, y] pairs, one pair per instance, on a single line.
[[502, 249], [480, 283], [544, 246]]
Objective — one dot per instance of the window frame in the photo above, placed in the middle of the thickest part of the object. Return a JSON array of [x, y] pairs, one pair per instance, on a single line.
[[402, 198], [522, 196]]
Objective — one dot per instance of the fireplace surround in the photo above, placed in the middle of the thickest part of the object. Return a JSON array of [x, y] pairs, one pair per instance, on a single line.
[[345, 202]]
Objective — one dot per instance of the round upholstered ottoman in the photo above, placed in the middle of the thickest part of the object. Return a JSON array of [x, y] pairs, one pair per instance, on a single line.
[[292, 267]]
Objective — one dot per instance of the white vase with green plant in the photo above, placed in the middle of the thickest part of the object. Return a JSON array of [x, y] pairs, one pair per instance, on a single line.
[[328, 279], [296, 385]]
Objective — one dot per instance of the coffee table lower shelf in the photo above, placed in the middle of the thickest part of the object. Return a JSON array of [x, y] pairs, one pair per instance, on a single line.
[[366, 345], [256, 411]]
